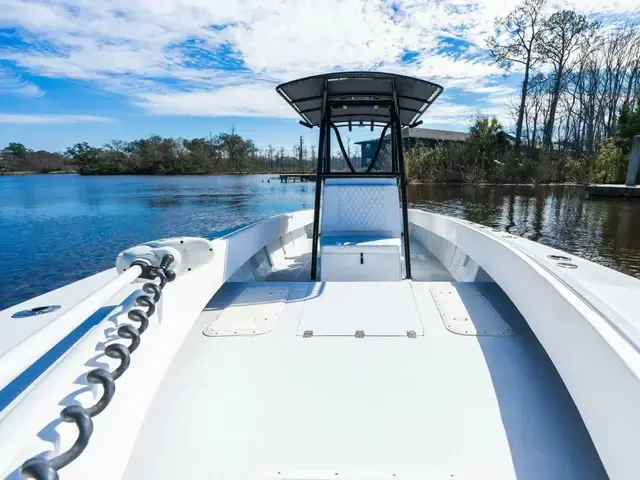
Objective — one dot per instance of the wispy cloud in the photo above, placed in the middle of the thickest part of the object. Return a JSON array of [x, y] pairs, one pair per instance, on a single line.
[[241, 100], [197, 57], [35, 119], [459, 116], [13, 84]]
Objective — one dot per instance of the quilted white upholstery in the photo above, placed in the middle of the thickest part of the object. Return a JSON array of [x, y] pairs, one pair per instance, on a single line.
[[361, 206]]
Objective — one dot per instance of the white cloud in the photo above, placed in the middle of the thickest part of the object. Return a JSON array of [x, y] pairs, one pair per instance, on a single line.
[[469, 74], [461, 116], [240, 100], [15, 85], [172, 56], [36, 119]]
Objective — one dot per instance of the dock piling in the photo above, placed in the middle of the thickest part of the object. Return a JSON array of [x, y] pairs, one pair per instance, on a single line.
[[301, 177]]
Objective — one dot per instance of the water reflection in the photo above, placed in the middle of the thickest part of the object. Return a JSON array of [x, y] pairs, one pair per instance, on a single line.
[[603, 230]]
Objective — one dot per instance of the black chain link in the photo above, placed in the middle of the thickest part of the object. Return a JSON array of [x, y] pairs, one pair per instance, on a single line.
[[47, 469]]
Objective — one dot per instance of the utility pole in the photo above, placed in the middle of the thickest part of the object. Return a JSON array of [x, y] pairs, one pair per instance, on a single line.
[[300, 154]]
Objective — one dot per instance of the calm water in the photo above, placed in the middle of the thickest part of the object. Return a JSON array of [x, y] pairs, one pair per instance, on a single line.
[[55, 229]]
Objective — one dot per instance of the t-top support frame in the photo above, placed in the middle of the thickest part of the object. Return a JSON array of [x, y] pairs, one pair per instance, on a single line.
[[323, 168]]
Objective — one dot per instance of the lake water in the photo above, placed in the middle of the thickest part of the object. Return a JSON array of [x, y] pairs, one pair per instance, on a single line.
[[55, 229]]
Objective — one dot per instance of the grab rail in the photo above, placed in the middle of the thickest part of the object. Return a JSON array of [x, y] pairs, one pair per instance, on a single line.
[[15, 361]]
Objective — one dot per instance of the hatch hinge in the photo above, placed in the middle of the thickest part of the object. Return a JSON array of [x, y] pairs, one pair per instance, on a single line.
[[359, 333], [411, 333], [307, 334]]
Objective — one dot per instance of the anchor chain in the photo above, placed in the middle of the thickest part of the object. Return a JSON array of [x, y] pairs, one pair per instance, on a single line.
[[47, 469]]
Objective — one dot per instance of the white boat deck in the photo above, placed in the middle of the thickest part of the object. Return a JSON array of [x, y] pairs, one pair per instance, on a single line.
[[283, 405]]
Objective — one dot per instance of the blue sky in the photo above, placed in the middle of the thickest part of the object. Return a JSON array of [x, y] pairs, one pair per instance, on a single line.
[[86, 70]]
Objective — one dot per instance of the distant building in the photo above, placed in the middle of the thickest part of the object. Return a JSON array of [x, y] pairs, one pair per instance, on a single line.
[[410, 137]]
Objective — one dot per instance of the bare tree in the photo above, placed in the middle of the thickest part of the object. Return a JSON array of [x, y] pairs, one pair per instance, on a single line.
[[314, 158], [270, 151], [281, 157], [598, 80], [535, 107], [118, 146], [563, 34], [521, 33], [620, 58]]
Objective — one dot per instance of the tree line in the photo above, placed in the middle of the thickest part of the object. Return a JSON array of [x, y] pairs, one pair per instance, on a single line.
[[226, 152], [18, 158], [489, 155]]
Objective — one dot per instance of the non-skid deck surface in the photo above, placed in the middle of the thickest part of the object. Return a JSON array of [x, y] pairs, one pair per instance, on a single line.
[[438, 406]]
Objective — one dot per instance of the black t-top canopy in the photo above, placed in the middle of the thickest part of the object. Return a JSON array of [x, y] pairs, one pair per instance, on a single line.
[[360, 97]]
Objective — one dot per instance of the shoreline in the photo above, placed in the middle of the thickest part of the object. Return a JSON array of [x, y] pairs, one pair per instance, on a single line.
[[262, 172], [500, 184], [410, 182], [56, 172]]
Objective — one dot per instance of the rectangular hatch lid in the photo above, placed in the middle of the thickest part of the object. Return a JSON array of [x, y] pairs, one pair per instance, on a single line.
[[360, 309]]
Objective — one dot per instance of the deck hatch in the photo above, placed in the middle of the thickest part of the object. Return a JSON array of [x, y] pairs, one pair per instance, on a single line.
[[360, 310], [465, 311], [253, 312]]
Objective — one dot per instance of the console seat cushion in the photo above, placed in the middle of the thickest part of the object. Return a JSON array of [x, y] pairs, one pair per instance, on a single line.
[[380, 244]]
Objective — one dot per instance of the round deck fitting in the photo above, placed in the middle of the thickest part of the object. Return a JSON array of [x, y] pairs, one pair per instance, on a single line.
[[567, 265], [32, 312]]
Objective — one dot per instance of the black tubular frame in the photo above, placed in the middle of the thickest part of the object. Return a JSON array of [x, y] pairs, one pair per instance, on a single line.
[[341, 145], [379, 148], [399, 155], [319, 181], [323, 169]]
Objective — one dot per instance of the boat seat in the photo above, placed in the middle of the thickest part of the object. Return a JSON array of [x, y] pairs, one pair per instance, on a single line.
[[361, 230], [358, 244]]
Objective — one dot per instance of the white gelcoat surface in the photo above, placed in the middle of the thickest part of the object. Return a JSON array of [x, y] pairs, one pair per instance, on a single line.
[[371, 266], [427, 407], [15, 330], [16, 360]]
